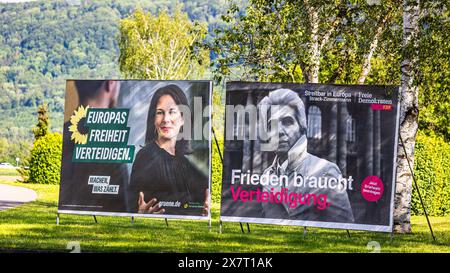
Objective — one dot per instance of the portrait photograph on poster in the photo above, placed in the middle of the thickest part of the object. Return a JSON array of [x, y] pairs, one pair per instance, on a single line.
[[136, 148], [310, 155]]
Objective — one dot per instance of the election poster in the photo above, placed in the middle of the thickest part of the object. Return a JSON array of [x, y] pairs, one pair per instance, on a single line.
[[136, 148], [310, 155]]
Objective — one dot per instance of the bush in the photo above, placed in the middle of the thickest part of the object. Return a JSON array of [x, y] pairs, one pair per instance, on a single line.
[[45, 160], [432, 171]]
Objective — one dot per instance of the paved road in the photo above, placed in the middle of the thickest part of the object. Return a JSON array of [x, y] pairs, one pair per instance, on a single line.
[[11, 196]]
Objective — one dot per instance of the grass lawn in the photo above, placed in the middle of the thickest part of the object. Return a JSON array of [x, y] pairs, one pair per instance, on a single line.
[[32, 226], [7, 172]]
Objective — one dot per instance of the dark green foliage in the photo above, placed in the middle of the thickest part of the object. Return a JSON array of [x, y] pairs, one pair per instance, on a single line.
[[432, 171], [45, 160], [162, 47], [43, 43]]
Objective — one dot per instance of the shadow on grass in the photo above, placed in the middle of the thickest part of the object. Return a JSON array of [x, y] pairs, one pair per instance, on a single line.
[[182, 236], [33, 226]]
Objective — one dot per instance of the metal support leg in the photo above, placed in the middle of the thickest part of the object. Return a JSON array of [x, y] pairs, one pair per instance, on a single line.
[[348, 233], [242, 228], [220, 226], [248, 228], [57, 219], [417, 187], [132, 220], [167, 222], [95, 219]]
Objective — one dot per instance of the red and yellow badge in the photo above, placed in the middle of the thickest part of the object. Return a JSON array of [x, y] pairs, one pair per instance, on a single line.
[[77, 136]]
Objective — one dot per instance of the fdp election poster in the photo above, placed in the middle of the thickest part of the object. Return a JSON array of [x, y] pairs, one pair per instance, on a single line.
[[138, 148], [310, 155]]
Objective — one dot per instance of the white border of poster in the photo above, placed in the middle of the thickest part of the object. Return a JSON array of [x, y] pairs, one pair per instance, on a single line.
[[206, 125], [266, 87]]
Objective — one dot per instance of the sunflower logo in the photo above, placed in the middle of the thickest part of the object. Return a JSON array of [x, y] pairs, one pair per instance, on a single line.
[[78, 114]]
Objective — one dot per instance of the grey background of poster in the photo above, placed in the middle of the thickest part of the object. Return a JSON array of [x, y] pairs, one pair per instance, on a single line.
[[136, 96]]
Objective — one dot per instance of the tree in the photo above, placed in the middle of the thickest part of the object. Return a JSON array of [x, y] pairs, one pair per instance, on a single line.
[[43, 125], [162, 47], [409, 112], [337, 41], [287, 40]]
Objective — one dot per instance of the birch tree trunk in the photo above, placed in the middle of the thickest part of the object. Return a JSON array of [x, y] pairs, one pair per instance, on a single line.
[[409, 112], [314, 47], [366, 67]]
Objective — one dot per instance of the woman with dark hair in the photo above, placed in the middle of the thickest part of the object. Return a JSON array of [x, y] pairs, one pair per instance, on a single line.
[[162, 179]]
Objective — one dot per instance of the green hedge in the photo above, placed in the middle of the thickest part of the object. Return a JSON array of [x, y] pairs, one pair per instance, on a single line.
[[45, 160], [432, 171]]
